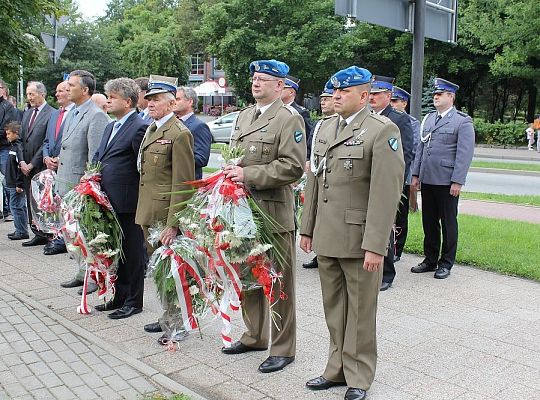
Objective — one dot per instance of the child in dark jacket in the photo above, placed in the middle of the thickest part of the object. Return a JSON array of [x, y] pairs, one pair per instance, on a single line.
[[15, 182]]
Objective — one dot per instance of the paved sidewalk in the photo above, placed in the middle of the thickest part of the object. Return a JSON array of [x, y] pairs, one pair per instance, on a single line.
[[499, 153], [470, 337]]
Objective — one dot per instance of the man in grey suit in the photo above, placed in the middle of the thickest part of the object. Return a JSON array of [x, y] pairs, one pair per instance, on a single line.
[[442, 160], [81, 137], [34, 126]]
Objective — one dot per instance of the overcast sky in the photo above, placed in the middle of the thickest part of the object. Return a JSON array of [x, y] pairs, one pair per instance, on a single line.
[[92, 8]]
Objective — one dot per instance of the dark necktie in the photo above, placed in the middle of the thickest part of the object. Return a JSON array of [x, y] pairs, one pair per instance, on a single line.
[[59, 122], [33, 118], [342, 126], [438, 118], [256, 115]]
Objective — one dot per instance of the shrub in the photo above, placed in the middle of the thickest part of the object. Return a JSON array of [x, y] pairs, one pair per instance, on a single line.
[[500, 133]]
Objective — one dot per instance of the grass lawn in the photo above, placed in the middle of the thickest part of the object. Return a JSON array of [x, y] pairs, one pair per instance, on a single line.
[[506, 165], [503, 246], [209, 170], [528, 200], [217, 146], [159, 396]]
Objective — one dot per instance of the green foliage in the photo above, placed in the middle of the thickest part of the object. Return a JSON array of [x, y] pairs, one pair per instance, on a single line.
[[514, 166], [485, 243], [525, 200], [499, 133]]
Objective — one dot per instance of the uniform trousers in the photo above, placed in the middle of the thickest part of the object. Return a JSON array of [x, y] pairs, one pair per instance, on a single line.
[[256, 310], [350, 296], [439, 215]]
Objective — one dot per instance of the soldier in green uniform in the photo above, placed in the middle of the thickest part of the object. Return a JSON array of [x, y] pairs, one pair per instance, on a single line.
[[352, 195], [273, 137]]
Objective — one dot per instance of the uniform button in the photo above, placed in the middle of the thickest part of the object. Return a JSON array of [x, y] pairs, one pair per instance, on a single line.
[[331, 156], [326, 186], [328, 170], [142, 184], [325, 200], [63, 147], [241, 140]]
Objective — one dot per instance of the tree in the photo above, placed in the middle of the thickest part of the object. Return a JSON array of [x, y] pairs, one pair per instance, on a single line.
[[16, 19]]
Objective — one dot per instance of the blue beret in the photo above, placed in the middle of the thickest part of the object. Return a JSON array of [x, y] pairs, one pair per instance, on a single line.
[[352, 76], [442, 85], [292, 82], [270, 67], [328, 90], [400, 94], [382, 84]]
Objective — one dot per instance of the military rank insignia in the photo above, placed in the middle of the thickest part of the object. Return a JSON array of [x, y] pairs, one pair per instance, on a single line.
[[298, 136], [394, 144]]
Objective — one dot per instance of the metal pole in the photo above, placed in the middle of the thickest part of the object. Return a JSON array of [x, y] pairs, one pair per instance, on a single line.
[[417, 74], [55, 37], [20, 85]]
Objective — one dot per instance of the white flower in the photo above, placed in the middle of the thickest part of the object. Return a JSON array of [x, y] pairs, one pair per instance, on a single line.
[[260, 249], [193, 290], [99, 239]]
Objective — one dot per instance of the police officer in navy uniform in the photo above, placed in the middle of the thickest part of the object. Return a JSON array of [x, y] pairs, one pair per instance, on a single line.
[[379, 100], [288, 96], [442, 160], [399, 101]]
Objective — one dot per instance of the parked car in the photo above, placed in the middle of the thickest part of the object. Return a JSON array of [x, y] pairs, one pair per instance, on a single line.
[[221, 127]]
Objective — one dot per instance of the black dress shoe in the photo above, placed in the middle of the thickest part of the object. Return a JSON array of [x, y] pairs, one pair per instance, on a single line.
[[275, 363], [72, 283], [355, 394], [442, 273], [239, 348], [36, 241], [321, 383], [125, 312], [397, 258], [90, 288], [54, 249], [109, 306], [18, 236], [423, 267], [385, 286], [311, 264], [153, 327]]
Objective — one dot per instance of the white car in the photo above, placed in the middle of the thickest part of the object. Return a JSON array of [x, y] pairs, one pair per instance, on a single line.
[[221, 127]]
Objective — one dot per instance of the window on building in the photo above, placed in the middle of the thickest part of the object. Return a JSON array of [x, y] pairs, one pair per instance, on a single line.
[[197, 64]]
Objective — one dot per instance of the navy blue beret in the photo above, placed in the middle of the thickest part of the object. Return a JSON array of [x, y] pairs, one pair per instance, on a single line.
[[442, 85], [352, 76], [270, 67]]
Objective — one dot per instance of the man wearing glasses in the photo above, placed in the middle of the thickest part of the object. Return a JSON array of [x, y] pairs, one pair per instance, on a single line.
[[273, 137]]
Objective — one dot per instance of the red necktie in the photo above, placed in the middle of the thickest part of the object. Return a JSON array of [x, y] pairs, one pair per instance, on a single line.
[[33, 118], [59, 122]]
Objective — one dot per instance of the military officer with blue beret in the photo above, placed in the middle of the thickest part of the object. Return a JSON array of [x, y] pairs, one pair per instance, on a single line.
[[399, 101], [442, 160], [352, 196], [379, 100], [273, 137]]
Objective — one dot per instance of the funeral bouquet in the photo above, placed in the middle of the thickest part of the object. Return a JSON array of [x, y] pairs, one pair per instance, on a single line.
[[46, 203], [235, 235], [92, 233], [298, 192]]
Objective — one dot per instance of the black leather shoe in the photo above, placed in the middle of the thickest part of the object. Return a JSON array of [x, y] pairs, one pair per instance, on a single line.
[[124, 312], [72, 283], [109, 306], [54, 249], [18, 236], [355, 394], [397, 258], [321, 383], [154, 327], [91, 288], [423, 267], [385, 286], [442, 273], [36, 241], [239, 348], [275, 363], [311, 264]]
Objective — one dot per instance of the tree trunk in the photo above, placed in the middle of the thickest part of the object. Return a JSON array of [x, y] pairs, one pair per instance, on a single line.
[[531, 102], [495, 102], [517, 105], [504, 101]]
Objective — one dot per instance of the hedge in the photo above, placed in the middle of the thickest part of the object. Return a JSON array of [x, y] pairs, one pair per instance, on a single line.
[[510, 134]]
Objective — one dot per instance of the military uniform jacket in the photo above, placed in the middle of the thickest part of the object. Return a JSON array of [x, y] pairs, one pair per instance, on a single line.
[[445, 153], [275, 154], [350, 204], [166, 162]]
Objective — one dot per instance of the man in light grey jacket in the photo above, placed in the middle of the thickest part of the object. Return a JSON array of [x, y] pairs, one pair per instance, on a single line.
[[82, 134]]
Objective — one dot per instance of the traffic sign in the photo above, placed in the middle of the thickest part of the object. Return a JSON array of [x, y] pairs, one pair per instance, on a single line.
[[54, 51]]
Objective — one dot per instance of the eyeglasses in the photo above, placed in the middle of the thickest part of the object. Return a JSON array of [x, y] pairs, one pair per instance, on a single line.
[[258, 79]]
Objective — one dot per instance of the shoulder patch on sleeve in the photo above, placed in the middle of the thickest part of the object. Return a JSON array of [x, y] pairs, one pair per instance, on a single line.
[[298, 135], [291, 109], [393, 143]]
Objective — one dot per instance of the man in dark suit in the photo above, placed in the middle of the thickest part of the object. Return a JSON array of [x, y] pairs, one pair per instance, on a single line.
[[186, 105], [117, 153], [34, 127], [379, 100], [51, 150], [441, 163], [288, 96]]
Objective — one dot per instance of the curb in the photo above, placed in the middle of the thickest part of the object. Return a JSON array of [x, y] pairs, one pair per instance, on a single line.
[[150, 372], [504, 171]]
